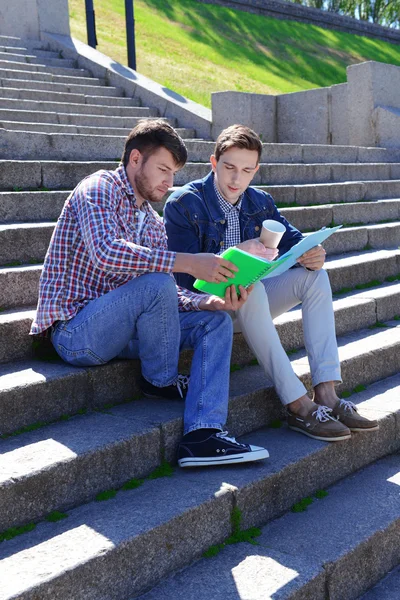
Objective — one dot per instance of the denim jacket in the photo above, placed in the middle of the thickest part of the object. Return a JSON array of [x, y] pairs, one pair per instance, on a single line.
[[195, 222]]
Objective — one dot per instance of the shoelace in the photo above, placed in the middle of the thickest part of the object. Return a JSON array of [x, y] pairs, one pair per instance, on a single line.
[[182, 383], [225, 436], [322, 414], [347, 405]]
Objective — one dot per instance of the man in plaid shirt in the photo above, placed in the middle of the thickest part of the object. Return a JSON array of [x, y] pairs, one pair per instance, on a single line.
[[107, 291]]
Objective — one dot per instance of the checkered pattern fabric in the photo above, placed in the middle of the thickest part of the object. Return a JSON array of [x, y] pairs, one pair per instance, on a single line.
[[98, 245], [231, 212]]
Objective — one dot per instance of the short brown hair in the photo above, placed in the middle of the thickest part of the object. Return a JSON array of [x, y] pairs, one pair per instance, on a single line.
[[237, 136], [152, 134]]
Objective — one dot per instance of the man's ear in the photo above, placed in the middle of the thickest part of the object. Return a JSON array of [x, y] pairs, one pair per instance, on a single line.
[[135, 158], [213, 162], [257, 167]]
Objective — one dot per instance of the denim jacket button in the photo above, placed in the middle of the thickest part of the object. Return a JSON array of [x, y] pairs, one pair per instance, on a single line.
[[256, 228], [221, 243], [222, 222]]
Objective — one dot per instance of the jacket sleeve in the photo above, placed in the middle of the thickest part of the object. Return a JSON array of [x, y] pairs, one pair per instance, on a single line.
[[182, 236]]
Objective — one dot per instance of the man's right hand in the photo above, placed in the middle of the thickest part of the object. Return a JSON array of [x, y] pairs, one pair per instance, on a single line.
[[209, 267]]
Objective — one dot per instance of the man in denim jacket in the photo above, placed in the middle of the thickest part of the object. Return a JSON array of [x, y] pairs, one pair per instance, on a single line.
[[222, 210]]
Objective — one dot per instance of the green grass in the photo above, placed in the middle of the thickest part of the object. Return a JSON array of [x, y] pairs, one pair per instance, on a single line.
[[234, 49], [55, 516], [238, 535]]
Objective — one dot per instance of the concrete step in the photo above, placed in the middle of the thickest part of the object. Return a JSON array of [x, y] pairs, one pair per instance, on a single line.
[[288, 561], [61, 88], [19, 288], [314, 217], [26, 58], [60, 97], [56, 128], [386, 589], [48, 76], [328, 193], [75, 458], [155, 514], [35, 53], [278, 174], [308, 154], [10, 41], [79, 114], [24, 241], [39, 69]]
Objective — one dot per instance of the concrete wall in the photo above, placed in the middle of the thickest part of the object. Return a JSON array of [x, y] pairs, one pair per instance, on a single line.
[[323, 18], [31, 18], [365, 111], [316, 116]]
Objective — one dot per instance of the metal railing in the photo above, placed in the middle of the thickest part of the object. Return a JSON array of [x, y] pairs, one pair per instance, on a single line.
[[130, 29]]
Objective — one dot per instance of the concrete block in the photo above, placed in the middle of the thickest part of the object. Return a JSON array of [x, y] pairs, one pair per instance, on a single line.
[[395, 170], [39, 391], [339, 115], [360, 172], [366, 546], [355, 269], [349, 239], [384, 236], [15, 326], [387, 588], [282, 153], [257, 111], [74, 461], [366, 212], [19, 286], [371, 85], [308, 218], [31, 206], [377, 155], [387, 300], [284, 194], [279, 174], [353, 313], [328, 154], [24, 174], [386, 122], [375, 359], [191, 171], [245, 571], [329, 193], [66, 175], [26, 94], [118, 536], [381, 189], [302, 117], [30, 19], [23, 242]]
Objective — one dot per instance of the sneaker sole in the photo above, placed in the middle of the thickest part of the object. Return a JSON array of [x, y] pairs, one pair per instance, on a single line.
[[364, 428], [321, 438], [223, 460]]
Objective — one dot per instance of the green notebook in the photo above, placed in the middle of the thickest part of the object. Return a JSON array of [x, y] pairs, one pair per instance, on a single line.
[[251, 269]]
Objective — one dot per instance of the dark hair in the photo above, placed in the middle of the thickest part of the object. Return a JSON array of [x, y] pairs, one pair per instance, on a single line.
[[237, 136], [151, 134]]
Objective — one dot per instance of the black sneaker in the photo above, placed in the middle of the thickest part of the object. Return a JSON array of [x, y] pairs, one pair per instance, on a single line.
[[175, 391], [217, 449]]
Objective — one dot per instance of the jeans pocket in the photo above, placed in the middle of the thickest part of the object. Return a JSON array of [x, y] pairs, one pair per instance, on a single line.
[[79, 358]]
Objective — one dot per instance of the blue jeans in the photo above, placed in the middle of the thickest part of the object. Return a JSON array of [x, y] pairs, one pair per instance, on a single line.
[[140, 319]]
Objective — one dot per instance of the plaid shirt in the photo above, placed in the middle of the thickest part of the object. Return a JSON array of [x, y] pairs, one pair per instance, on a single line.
[[97, 246], [232, 235]]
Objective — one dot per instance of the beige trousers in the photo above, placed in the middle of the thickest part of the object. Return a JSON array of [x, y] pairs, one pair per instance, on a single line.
[[273, 297]]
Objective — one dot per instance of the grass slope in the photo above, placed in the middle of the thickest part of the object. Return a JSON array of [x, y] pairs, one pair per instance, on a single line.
[[196, 48]]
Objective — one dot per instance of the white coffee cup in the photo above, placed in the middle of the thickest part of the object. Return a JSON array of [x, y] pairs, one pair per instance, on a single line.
[[271, 233]]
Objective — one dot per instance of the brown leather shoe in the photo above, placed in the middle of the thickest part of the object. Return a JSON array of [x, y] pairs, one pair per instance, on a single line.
[[319, 424], [347, 413]]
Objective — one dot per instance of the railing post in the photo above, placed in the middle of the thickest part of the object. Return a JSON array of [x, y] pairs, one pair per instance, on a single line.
[[90, 24], [130, 34]]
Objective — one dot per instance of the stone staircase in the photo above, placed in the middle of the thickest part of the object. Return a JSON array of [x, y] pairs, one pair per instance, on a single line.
[[83, 475]]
